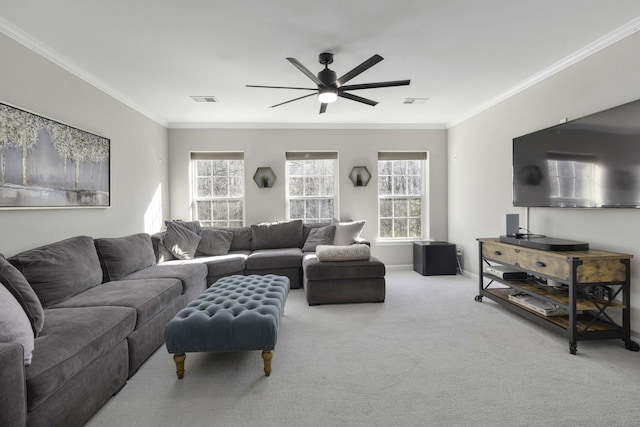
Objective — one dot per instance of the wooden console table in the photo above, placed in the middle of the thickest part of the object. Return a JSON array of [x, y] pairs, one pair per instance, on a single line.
[[590, 287]]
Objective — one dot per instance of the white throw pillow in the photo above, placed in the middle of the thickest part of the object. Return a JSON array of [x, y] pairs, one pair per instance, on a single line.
[[14, 324], [347, 232]]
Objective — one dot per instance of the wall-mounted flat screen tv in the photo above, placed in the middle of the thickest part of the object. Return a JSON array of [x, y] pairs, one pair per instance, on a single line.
[[591, 162]]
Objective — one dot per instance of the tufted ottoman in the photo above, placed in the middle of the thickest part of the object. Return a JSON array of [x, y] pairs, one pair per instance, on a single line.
[[237, 313]]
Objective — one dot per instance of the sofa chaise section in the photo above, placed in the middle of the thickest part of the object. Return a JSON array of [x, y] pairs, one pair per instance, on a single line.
[[81, 360], [103, 306]]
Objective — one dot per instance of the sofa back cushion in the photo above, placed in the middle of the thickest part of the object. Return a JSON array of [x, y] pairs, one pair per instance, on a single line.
[[277, 235], [22, 291], [241, 238], [60, 270], [121, 256]]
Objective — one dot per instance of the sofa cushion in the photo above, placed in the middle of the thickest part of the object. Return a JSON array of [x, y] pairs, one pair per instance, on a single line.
[[121, 256], [276, 235], [347, 232], [16, 283], [343, 253], [241, 238], [180, 241], [221, 265], [72, 338], [60, 270], [147, 297], [266, 259], [192, 275], [319, 236], [215, 241], [14, 324]]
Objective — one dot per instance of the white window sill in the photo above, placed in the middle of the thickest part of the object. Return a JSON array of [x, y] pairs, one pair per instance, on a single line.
[[397, 242]]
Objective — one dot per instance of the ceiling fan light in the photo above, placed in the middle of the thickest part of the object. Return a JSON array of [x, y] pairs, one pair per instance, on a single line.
[[327, 96]]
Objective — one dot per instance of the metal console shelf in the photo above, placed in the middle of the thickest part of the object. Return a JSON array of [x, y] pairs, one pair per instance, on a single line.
[[596, 295]]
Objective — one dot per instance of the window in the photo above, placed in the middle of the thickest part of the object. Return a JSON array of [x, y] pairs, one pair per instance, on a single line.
[[311, 186], [218, 189], [401, 195], [574, 179]]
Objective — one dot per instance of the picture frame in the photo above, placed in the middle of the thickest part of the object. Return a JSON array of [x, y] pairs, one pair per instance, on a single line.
[[46, 164]]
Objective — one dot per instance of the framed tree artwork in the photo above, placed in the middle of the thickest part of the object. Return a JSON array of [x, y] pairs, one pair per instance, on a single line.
[[47, 164]]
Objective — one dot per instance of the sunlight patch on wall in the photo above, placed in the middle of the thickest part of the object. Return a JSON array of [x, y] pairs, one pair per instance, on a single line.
[[153, 214]]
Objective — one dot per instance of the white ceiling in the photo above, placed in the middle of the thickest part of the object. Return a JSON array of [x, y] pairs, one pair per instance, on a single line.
[[464, 55]]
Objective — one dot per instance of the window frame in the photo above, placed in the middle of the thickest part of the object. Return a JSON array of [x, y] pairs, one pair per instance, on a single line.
[[213, 156], [423, 157], [310, 156]]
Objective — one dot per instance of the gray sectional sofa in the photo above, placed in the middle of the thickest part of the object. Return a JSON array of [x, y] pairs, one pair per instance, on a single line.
[[265, 248], [96, 309]]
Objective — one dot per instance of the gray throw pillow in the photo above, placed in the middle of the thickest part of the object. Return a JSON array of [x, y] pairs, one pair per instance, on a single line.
[[319, 236], [121, 256], [347, 232], [215, 241], [180, 241], [193, 226], [60, 270], [15, 324], [22, 291], [276, 235]]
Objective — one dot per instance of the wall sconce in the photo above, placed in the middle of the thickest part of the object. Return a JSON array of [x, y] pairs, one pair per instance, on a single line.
[[264, 177], [360, 176]]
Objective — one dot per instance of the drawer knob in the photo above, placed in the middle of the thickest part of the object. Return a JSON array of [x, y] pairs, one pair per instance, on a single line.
[[498, 253], [540, 264]]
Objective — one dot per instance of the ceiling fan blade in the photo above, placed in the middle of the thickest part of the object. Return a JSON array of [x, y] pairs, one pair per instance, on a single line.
[[283, 87], [376, 85], [359, 69], [306, 72], [357, 98], [291, 100], [323, 108]]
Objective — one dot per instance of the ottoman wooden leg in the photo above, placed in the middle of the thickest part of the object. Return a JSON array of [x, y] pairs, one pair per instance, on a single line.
[[267, 356], [179, 359]]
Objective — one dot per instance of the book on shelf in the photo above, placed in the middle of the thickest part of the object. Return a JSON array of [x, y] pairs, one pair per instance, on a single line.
[[538, 305]]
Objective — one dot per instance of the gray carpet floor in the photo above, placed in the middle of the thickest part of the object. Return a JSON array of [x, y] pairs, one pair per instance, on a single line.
[[428, 356]]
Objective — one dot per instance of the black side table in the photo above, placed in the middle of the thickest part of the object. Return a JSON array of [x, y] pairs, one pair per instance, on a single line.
[[434, 258]]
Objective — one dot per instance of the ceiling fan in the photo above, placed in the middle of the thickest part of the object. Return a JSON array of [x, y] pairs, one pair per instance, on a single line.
[[329, 88]]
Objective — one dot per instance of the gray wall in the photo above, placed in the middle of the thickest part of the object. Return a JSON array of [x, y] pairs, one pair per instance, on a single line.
[[267, 147], [480, 152], [139, 173]]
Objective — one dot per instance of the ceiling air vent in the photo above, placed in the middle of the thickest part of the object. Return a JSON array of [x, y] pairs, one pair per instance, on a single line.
[[204, 98], [415, 100]]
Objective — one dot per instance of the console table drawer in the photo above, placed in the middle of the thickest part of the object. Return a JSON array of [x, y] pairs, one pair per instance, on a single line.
[[548, 265], [499, 252]]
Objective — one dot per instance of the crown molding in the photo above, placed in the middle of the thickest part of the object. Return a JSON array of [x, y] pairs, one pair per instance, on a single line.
[[359, 126], [591, 49], [50, 54]]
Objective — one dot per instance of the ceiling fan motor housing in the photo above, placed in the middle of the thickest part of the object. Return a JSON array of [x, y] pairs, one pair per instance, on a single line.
[[328, 77]]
